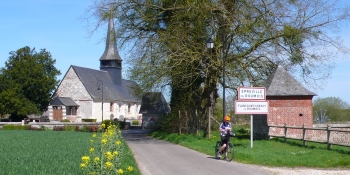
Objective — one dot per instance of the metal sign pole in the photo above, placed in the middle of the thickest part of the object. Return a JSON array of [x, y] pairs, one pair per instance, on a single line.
[[251, 131]]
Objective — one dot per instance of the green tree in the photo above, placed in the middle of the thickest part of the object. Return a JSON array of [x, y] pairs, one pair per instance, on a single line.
[[27, 82], [335, 108], [251, 38]]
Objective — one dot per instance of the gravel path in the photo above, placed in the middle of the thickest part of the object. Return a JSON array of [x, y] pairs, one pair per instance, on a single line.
[[307, 171]]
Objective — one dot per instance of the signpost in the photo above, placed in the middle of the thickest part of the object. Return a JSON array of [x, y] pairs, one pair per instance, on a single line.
[[251, 107], [251, 100]]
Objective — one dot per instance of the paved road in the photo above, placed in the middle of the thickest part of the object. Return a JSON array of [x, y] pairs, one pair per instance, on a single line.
[[158, 157]]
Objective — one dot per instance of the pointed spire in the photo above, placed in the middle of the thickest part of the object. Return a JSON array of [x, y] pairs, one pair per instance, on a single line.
[[111, 50]]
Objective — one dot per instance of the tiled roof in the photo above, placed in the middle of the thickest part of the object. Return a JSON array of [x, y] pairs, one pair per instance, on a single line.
[[90, 79], [281, 83], [63, 101], [154, 103]]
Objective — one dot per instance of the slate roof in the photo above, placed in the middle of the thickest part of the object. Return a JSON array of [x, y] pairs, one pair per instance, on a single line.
[[281, 83], [90, 77], [154, 103], [111, 50], [63, 101]]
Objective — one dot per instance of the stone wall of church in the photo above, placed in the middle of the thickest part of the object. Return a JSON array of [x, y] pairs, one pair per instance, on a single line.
[[72, 87]]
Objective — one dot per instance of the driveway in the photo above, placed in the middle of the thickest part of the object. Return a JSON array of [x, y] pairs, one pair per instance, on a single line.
[[158, 157]]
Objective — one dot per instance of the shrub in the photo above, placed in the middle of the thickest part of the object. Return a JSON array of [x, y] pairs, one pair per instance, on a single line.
[[135, 122], [88, 120], [92, 128], [69, 128], [107, 123], [58, 128], [65, 120], [16, 127]]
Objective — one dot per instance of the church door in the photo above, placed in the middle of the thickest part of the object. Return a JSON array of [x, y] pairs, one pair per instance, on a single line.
[[57, 113]]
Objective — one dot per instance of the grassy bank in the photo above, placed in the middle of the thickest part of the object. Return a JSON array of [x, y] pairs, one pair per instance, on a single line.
[[48, 152], [269, 152]]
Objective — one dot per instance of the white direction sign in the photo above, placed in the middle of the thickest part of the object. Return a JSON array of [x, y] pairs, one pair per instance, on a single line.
[[251, 107], [251, 93]]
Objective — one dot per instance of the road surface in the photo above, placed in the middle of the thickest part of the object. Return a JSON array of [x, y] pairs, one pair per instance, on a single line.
[[158, 157]]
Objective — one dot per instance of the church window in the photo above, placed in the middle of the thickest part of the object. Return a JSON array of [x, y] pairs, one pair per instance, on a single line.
[[71, 110], [129, 106], [111, 106]]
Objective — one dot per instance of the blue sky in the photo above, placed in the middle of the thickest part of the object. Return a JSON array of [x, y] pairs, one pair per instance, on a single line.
[[56, 25]]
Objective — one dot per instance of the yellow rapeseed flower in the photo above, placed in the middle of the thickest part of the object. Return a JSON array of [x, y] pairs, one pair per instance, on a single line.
[[92, 150], [109, 155], [92, 141], [82, 165], [118, 142], [103, 125], [108, 165], [96, 159], [93, 135], [115, 153], [104, 141], [120, 171], [85, 159], [130, 168]]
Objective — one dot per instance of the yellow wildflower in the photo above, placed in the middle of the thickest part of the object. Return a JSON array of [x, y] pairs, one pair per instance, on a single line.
[[85, 159], [104, 141], [93, 135], [115, 153], [130, 168], [108, 165], [92, 141], [109, 155], [120, 171], [96, 159], [118, 142], [92, 150], [82, 165], [103, 125]]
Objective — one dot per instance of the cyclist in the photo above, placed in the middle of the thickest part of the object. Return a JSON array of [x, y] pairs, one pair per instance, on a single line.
[[225, 128]]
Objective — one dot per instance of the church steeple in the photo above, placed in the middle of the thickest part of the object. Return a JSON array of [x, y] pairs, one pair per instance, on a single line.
[[110, 60]]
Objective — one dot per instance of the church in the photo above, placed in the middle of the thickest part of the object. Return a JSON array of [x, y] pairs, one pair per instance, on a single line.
[[91, 94]]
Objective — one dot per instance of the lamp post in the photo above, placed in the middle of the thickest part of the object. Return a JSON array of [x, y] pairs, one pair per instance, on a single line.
[[210, 45], [100, 84], [223, 84]]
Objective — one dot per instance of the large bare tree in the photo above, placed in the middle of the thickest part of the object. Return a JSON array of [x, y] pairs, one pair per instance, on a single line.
[[167, 39]]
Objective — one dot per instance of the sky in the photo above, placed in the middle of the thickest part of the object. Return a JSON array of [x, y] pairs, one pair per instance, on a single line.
[[58, 27]]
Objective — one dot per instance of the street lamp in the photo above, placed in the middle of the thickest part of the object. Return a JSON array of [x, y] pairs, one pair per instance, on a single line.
[[100, 84], [210, 45]]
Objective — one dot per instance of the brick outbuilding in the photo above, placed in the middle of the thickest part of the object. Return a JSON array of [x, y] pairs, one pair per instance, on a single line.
[[289, 103]]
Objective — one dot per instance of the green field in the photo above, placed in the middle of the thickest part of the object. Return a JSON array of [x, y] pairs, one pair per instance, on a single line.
[[47, 152], [274, 153]]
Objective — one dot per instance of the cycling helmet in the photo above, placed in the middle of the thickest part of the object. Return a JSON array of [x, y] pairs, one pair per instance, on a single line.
[[227, 118]]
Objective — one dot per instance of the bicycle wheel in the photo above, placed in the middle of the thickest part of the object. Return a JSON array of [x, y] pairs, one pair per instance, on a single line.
[[217, 147], [230, 152]]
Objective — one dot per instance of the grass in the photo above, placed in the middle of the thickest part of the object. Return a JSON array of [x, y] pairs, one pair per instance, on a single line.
[[272, 152], [48, 152]]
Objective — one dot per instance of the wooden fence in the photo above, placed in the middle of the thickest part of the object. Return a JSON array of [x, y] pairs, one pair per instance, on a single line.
[[320, 133]]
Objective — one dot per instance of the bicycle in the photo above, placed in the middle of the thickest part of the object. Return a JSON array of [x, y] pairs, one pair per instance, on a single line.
[[229, 147]]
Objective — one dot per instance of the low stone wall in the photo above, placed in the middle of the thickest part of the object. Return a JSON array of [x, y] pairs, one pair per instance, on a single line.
[[50, 124]]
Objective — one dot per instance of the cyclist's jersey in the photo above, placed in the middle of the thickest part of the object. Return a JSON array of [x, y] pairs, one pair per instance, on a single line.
[[224, 126]]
